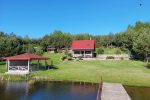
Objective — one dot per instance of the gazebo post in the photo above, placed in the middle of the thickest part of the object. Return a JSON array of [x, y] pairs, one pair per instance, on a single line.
[[46, 65], [8, 65], [38, 64], [28, 65]]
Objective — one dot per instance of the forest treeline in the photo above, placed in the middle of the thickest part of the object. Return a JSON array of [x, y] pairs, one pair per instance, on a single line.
[[135, 39]]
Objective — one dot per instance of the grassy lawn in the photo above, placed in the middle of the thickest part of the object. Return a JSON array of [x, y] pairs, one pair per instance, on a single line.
[[125, 72], [2, 67], [55, 57]]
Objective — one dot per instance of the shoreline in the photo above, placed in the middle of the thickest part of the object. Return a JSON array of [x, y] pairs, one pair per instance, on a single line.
[[15, 78]]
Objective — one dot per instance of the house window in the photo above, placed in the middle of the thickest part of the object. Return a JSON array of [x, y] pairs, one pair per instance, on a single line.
[[87, 52], [76, 52]]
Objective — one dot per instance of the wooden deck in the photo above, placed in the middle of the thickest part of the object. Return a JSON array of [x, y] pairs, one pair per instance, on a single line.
[[114, 91]]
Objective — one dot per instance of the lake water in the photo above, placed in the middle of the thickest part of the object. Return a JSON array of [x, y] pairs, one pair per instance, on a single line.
[[47, 91], [138, 93]]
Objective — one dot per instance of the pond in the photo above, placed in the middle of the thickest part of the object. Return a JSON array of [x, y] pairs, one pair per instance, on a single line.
[[138, 93], [45, 90]]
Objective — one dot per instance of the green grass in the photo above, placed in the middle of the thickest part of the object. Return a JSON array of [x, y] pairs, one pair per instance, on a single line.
[[55, 57], [126, 72], [2, 67]]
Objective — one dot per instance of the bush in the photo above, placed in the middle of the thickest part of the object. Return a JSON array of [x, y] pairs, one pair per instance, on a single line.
[[39, 51], [147, 65], [69, 54], [122, 58], [69, 58], [63, 57], [110, 57], [118, 51], [124, 50], [100, 51], [79, 58]]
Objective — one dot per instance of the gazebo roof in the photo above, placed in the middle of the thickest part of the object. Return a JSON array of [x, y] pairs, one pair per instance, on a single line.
[[26, 56]]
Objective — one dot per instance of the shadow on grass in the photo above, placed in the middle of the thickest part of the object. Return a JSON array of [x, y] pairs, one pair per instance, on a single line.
[[36, 67], [52, 67], [147, 65]]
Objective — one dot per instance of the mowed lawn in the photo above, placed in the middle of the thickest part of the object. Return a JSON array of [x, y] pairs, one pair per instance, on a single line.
[[125, 72], [2, 67]]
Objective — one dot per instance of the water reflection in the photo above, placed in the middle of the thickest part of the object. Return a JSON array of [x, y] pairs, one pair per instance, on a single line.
[[46, 91], [138, 93], [13, 91]]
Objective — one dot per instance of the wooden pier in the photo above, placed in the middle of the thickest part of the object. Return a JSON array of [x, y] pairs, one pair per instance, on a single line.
[[114, 91]]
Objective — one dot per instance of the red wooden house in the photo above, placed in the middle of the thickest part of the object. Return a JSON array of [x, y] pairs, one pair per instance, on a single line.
[[83, 48]]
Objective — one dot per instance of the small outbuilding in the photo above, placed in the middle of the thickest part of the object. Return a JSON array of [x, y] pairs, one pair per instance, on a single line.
[[83, 48], [20, 64], [51, 49]]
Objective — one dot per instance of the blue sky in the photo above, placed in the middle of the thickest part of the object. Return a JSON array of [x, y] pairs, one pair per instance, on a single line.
[[36, 18]]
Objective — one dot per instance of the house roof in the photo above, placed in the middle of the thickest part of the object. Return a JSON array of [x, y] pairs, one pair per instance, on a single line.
[[26, 56], [83, 44]]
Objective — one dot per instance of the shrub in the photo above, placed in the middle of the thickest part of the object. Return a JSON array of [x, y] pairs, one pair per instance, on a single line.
[[69, 55], [110, 57], [39, 51], [118, 51], [100, 51], [69, 58], [147, 65], [63, 57], [123, 49], [79, 58], [122, 58]]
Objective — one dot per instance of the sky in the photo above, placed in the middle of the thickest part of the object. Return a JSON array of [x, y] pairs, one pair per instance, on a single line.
[[35, 18]]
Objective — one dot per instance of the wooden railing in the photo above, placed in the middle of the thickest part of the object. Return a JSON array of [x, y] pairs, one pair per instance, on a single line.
[[99, 90], [20, 68]]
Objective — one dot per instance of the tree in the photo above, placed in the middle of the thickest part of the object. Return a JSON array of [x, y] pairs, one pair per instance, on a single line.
[[10, 44], [30, 49], [136, 40], [57, 39], [39, 51], [141, 43], [100, 50], [81, 36]]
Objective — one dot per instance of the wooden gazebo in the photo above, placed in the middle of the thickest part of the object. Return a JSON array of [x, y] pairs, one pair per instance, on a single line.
[[20, 64]]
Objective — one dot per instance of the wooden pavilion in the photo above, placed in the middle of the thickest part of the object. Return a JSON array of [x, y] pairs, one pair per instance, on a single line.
[[20, 64]]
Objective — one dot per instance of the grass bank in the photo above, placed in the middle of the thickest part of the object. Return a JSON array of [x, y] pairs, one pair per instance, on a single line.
[[126, 72]]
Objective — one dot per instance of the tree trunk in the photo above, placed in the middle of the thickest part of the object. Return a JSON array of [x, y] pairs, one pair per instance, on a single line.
[[146, 57]]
